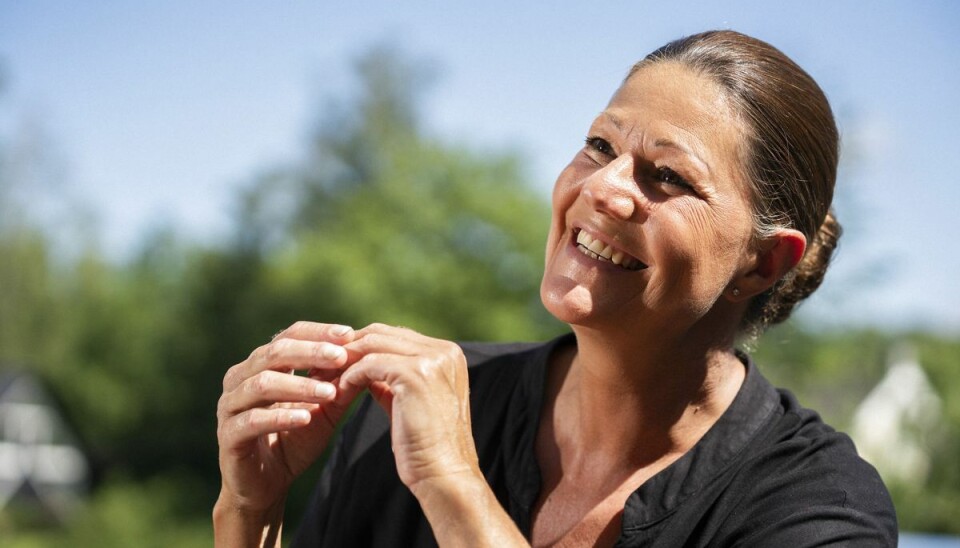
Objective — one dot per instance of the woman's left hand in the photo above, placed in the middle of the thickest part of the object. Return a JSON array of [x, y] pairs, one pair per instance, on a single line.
[[422, 384]]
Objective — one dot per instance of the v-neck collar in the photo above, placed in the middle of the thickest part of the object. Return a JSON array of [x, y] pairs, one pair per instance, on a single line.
[[659, 496]]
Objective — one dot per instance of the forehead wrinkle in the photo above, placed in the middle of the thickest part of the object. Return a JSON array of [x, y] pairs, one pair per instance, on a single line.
[[614, 119], [626, 130], [711, 109], [693, 149], [620, 124]]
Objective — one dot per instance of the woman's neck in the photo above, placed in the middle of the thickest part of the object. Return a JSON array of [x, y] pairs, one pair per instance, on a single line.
[[635, 402]]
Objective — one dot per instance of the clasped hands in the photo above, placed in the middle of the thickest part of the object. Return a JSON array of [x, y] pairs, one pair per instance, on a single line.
[[272, 424]]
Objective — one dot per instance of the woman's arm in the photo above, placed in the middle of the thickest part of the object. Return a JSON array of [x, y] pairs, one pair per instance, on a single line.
[[463, 511]]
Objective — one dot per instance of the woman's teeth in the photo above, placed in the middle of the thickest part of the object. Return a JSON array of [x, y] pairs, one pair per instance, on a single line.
[[598, 250]]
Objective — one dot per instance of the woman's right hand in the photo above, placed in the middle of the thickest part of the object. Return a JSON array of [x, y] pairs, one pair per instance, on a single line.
[[271, 424]]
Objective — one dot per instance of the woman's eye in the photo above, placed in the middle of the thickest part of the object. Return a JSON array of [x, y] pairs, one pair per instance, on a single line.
[[671, 177], [600, 145]]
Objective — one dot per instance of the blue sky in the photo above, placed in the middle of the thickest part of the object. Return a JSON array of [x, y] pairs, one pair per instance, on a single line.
[[158, 112]]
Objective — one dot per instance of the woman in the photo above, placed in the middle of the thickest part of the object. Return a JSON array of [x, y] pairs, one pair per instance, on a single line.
[[697, 212]]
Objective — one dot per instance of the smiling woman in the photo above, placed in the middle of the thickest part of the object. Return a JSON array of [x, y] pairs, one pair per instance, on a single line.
[[697, 212], [659, 180]]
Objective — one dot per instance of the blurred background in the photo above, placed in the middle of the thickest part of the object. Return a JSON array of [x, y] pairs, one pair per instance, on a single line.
[[181, 180]]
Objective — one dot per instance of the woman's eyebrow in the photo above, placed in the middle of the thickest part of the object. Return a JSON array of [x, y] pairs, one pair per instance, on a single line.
[[663, 142]]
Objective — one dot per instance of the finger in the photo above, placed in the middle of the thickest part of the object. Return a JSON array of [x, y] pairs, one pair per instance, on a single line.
[[346, 394], [394, 331], [283, 354], [318, 332], [395, 371], [251, 424], [430, 352], [386, 342], [382, 394], [375, 372], [269, 387], [368, 369]]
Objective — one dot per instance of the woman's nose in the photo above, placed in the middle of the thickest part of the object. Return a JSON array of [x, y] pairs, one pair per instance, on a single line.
[[610, 190]]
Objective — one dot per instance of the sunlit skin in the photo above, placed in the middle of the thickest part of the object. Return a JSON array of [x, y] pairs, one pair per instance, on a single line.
[[660, 179]]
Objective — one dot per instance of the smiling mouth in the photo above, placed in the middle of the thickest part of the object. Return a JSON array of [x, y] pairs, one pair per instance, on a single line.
[[600, 251]]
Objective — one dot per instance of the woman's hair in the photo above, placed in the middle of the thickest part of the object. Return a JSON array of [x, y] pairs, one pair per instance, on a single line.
[[790, 155]]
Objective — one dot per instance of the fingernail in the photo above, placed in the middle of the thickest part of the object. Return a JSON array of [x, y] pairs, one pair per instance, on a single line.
[[340, 330], [331, 352], [324, 390], [299, 415]]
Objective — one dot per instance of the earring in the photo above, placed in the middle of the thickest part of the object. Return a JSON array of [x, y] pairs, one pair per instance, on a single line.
[[736, 292]]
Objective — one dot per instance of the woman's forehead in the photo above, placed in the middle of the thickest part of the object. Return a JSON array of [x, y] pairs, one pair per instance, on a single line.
[[668, 102], [670, 91]]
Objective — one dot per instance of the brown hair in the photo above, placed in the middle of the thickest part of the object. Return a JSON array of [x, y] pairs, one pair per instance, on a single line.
[[791, 153]]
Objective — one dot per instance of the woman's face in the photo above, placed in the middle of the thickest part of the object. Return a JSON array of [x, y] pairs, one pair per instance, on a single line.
[[651, 220]]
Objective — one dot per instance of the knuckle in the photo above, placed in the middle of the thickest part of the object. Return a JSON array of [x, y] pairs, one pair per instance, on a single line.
[[257, 385], [258, 356], [242, 421], [368, 342], [277, 350], [251, 419], [272, 350], [305, 388], [279, 418], [221, 408], [228, 378], [299, 325], [425, 368], [257, 352], [451, 351]]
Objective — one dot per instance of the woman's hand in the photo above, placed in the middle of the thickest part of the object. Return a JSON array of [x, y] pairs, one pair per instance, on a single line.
[[271, 425], [422, 384]]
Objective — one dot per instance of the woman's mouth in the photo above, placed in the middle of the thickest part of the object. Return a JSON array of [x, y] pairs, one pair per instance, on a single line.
[[594, 248]]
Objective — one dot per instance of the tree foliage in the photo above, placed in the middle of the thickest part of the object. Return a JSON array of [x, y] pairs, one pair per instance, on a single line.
[[379, 222]]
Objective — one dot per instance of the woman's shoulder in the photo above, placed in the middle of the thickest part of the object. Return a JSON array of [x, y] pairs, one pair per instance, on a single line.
[[799, 442], [803, 479]]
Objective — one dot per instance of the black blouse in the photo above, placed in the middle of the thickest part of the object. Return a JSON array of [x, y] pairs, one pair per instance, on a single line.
[[768, 473]]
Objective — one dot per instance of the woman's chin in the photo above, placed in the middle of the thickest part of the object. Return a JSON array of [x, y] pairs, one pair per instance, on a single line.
[[574, 305]]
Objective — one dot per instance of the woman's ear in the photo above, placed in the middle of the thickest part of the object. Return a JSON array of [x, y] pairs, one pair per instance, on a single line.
[[775, 256]]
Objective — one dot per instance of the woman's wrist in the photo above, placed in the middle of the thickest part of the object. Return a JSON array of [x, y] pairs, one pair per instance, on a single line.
[[238, 525], [463, 511]]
